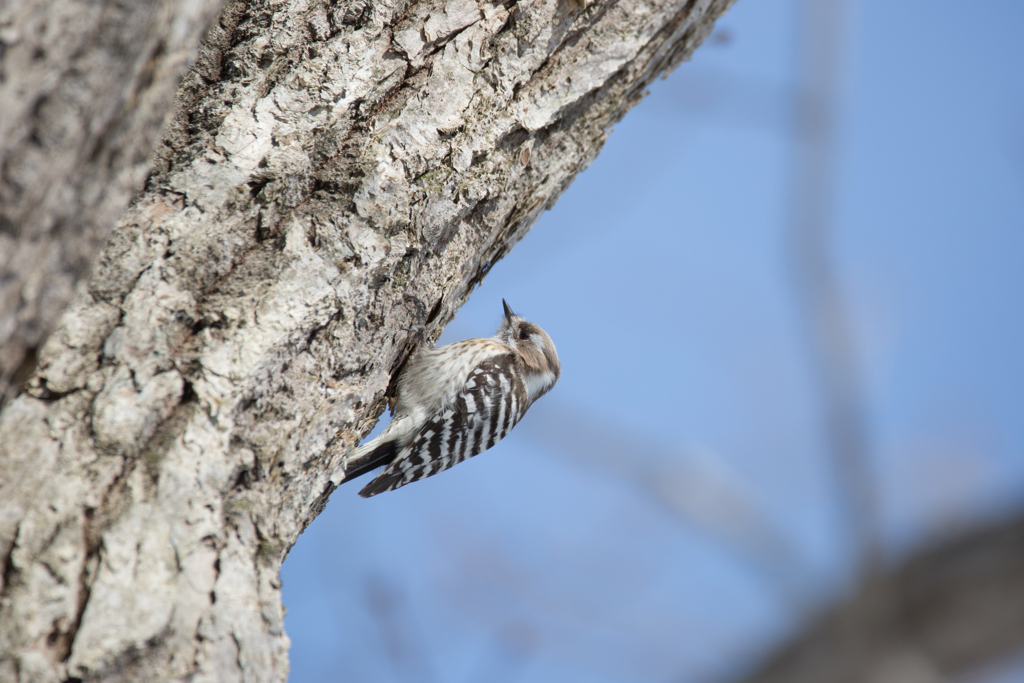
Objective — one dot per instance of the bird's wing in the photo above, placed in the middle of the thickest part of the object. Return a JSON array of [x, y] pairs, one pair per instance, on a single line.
[[435, 377], [489, 405]]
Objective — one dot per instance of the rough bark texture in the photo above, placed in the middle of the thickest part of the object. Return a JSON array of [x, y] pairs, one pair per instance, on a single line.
[[944, 611], [85, 90], [338, 179]]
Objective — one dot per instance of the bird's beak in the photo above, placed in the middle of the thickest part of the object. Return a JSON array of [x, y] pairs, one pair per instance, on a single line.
[[508, 311]]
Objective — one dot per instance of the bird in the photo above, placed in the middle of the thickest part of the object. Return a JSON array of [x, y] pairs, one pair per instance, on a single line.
[[456, 401]]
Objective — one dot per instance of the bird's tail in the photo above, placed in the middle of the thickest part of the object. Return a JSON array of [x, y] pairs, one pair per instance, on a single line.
[[369, 457]]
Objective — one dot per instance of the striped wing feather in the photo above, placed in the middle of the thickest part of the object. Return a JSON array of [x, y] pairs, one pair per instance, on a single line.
[[493, 400]]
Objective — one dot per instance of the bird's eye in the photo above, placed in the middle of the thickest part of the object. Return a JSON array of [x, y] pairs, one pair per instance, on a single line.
[[523, 335]]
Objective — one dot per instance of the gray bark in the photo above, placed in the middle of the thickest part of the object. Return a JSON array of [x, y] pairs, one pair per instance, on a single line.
[[337, 180], [944, 611], [85, 89]]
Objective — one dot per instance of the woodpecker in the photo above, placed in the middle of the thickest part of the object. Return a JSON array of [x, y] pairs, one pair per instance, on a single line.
[[456, 401]]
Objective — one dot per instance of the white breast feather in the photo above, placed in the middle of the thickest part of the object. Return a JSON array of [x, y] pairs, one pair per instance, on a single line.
[[537, 384]]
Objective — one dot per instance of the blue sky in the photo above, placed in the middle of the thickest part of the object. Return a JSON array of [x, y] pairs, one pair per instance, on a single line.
[[670, 510]]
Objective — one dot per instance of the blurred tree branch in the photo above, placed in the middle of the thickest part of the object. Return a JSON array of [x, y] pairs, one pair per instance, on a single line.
[[941, 612], [335, 181], [946, 608], [832, 346], [698, 488]]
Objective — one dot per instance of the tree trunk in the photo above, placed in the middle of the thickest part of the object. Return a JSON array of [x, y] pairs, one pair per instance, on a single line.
[[85, 88], [335, 182]]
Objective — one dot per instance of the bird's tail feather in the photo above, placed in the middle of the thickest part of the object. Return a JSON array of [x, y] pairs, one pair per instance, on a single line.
[[369, 457], [385, 481]]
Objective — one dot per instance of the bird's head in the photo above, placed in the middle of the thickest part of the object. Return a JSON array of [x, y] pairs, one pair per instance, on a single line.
[[535, 350]]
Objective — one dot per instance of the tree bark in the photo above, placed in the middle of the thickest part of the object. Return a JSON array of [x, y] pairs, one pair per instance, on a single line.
[[85, 90], [336, 181]]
